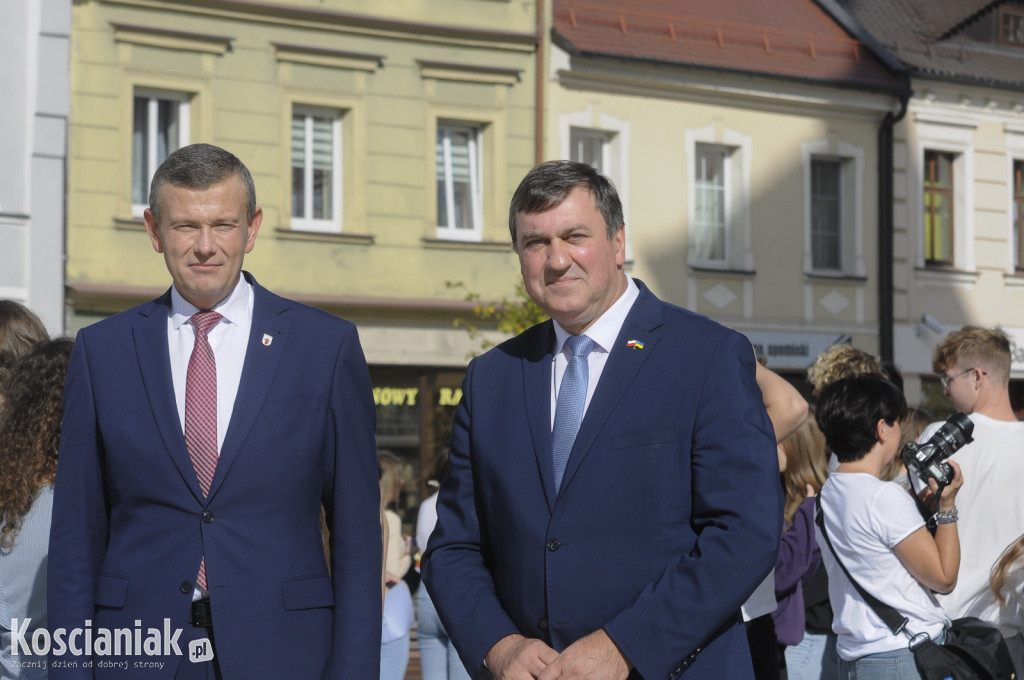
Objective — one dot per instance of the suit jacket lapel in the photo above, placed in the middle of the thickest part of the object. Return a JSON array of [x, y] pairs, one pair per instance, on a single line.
[[261, 359], [537, 394], [150, 336], [624, 363]]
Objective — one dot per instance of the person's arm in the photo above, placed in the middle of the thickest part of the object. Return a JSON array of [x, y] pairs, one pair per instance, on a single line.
[[935, 562], [79, 523], [736, 509], [786, 408], [798, 553], [353, 516], [398, 559]]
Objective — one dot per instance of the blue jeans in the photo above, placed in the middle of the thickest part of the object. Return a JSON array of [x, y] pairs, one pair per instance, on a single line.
[[896, 665], [813, 659], [438, 657], [394, 657]]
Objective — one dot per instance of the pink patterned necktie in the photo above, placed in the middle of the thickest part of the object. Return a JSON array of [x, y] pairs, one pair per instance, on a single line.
[[201, 409]]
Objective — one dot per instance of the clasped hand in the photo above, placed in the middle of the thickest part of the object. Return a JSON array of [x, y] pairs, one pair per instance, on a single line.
[[594, 657]]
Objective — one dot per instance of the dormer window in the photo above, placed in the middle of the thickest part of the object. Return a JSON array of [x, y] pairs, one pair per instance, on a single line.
[[1011, 26]]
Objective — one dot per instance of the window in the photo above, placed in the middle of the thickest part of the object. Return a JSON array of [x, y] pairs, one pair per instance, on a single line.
[[833, 172], [316, 169], [159, 126], [718, 226], [1018, 215], [458, 182], [826, 215], [1011, 26], [590, 147], [712, 166], [938, 208], [602, 141]]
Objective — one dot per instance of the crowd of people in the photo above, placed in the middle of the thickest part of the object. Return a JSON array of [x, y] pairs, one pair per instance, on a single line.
[[610, 505], [844, 465]]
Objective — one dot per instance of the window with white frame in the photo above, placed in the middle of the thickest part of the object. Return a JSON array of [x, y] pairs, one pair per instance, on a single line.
[[711, 183], [718, 198], [938, 208], [833, 213], [160, 125], [459, 214], [590, 147], [941, 176], [826, 215], [316, 169]]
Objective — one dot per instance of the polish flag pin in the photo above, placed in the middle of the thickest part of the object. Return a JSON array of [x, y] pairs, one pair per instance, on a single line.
[[267, 339]]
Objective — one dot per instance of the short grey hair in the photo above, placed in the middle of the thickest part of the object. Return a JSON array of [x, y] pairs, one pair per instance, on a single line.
[[200, 166]]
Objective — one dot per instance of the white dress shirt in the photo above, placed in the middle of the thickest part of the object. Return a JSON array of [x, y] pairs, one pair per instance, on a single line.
[[603, 332], [228, 340]]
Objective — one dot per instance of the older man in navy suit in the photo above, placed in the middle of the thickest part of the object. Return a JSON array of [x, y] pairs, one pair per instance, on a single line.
[[203, 433], [613, 496]]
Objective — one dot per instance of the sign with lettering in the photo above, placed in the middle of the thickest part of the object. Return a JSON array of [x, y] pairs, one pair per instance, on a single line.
[[395, 396], [792, 350]]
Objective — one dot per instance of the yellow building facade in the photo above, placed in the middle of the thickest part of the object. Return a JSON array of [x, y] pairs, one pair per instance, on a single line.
[[385, 140]]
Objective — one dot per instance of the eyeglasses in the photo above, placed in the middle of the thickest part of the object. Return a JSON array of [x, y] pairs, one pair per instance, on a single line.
[[945, 379]]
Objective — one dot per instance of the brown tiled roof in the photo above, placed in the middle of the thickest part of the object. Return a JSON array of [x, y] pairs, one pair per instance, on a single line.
[[926, 35], [783, 38]]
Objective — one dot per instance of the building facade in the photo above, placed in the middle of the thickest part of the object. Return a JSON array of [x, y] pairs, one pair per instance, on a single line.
[[744, 140], [385, 140], [34, 72], [958, 159]]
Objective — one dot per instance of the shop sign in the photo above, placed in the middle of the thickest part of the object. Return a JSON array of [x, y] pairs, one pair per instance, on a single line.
[[793, 350], [395, 396]]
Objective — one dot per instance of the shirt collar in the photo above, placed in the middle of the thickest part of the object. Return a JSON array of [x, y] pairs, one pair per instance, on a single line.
[[604, 331], [233, 308]]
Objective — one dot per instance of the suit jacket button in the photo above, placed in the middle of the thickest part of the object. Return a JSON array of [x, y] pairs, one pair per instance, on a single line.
[[207, 516], [543, 623], [185, 587], [554, 544]]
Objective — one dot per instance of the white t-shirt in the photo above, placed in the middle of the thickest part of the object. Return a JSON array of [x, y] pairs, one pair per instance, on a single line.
[[762, 601], [426, 520], [866, 518], [991, 509]]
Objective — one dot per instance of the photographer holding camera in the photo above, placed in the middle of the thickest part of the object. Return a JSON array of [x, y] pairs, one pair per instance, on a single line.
[[974, 366], [878, 536]]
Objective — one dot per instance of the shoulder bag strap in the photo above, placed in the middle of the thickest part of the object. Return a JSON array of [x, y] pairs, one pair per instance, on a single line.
[[890, 617]]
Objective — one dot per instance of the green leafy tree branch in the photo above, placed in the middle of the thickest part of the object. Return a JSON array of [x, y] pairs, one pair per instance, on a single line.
[[509, 316]]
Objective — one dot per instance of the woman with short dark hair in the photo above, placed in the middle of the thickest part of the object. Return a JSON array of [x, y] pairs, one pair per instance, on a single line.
[[878, 533]]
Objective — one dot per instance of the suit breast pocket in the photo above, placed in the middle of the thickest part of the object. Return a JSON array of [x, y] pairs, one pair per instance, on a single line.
[[282, 406], [646, 439]]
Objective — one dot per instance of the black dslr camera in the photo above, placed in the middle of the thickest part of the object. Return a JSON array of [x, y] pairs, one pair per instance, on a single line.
[[929, 459]]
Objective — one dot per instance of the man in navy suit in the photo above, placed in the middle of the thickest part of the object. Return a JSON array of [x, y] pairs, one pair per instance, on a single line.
[[624, 549], [203, 433]]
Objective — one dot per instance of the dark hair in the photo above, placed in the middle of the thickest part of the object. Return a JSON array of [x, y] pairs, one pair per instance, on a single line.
[[849, 410], [30, 419], [200, 166], [20, 328], [550, 183]]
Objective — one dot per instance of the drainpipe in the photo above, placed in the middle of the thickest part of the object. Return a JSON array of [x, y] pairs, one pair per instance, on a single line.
[[538, 123], [885, 221]]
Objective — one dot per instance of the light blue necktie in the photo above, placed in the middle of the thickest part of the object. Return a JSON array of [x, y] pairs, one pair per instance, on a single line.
[[572, 396]]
